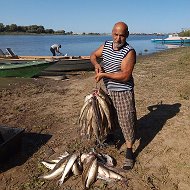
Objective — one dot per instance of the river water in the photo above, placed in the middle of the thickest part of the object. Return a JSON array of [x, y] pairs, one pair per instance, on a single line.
[[73, 45]]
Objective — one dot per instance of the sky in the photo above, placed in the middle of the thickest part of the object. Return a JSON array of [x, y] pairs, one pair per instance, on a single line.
[[78, 16]]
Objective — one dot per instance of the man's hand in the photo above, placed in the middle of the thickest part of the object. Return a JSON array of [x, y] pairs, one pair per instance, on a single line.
[[98, 69], [99, 76]]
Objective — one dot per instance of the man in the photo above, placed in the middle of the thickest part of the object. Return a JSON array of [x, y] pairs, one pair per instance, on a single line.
[[119, 59], [55, 49]]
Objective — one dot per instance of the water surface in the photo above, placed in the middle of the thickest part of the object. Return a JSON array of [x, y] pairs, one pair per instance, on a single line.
[[72, 44]]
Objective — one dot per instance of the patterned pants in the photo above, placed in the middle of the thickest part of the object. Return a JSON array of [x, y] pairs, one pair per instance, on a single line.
[[124, 103]]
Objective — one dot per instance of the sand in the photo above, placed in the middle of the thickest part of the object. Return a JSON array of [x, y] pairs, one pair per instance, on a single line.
[[48, 110]]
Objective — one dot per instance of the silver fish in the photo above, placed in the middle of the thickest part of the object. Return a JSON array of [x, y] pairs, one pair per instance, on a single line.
[[84, 109], [86, 120], [89, 123], [87, 165], [96, 129], [104, 95], [51, 164], [106, 109], [108, 160], [57, 170], [65, 154], [107, 174], [68, 166], [88, 97], [85, 156], [76, 169], [97, 113], [48, 164], [92, 173]]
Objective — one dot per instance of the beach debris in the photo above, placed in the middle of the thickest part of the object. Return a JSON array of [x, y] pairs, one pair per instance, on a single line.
[[91, 166], [95, 116]]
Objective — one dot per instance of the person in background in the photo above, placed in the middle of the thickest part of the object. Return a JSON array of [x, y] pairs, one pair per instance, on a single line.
[[55, 49], [119, 59]]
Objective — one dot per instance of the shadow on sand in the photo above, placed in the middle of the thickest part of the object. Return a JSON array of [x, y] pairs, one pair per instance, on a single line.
[[30, 143], [149, 125]]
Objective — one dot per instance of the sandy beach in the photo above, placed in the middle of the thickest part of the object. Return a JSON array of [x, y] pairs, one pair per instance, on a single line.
[[48, 110]]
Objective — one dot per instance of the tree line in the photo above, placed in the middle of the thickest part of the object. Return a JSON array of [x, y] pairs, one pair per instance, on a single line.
[[185, 33], [35, 29]]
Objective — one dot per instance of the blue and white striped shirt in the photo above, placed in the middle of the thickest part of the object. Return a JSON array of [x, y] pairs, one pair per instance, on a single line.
[[112, 63]]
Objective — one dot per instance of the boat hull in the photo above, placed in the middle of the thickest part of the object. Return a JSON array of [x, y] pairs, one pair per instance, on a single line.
[[25, 69], [71, 65], [173, 39], [64, 66]]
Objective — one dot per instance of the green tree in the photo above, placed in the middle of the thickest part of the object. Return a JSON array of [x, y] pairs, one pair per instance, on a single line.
[[49, 31], [2, 27], [13, 28], [185, 33], [40, 30]]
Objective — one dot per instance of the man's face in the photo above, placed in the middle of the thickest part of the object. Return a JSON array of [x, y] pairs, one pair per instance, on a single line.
[[119, 36]]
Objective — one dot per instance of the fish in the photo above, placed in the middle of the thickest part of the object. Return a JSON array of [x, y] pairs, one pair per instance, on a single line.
[[86, 157], [85, 120], [106, 109], [91, 165], [97, 119], [96, 130], [86, 128], [76, 169], [50, 165], [68, 166], [105, 159], [89, 116], [104, 95], [95, 116], [90, 172], [107, 174], [57, 169], [84, 109], [88, 97]]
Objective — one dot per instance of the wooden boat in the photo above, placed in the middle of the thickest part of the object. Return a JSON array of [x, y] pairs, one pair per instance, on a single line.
[[173, 39], [63, 64], [81, 63], [23, 68]]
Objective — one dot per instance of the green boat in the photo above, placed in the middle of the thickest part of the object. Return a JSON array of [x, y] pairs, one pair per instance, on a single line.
[[23, 68]]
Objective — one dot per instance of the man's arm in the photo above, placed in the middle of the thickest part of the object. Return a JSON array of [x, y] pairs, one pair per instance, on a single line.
[[93, 58], [127, 66], [57, 50]]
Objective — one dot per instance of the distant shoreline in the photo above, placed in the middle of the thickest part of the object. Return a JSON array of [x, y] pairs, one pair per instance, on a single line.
[[76, 34]]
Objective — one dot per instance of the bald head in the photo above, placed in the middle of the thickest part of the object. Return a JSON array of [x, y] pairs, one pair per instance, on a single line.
[[119, 34], [121, 26]]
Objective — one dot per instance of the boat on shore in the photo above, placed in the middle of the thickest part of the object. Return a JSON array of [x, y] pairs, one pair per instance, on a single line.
[[23, 68], [68, 66], [173, 39], [80, 63], [30, 63]]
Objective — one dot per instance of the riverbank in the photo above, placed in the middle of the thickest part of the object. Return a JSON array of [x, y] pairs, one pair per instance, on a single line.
[[49, 110]]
